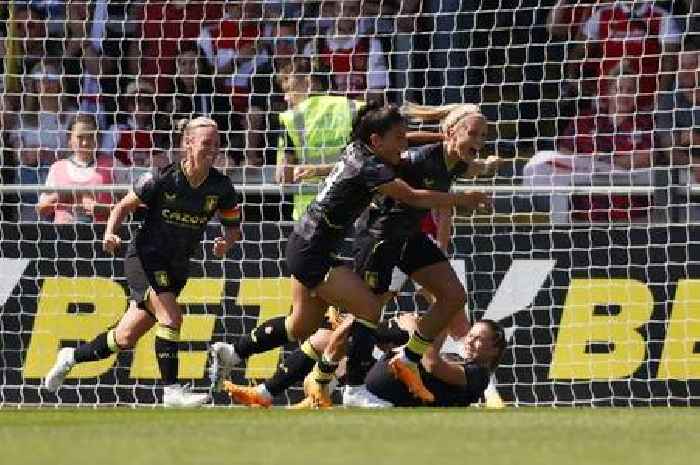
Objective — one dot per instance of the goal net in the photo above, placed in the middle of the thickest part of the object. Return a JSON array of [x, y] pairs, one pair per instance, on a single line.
[[588, 258]]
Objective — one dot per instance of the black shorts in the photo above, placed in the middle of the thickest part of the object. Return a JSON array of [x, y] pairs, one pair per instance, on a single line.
[[146, 271], [309, 261], [381, 382], [375, 259]]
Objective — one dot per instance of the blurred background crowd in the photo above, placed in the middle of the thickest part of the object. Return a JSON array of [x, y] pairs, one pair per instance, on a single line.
[[578, 92]]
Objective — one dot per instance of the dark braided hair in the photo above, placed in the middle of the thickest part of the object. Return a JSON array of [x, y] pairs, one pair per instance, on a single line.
[[375, 118]]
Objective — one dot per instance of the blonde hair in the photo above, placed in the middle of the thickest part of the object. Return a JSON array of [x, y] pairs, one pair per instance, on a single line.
[[448, 115], [199, 122]]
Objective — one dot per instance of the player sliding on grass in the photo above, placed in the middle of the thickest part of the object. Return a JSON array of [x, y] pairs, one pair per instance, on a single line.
[[181, 199], [454, 379], [367, 169], [389, 236]]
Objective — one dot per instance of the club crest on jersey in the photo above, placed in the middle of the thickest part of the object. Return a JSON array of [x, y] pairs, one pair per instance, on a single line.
[[210, 202], [162, 278], [170, 196], [429, 182]]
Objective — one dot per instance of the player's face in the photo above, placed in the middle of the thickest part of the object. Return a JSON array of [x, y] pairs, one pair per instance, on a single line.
[[390, 146], [203, 147], [83, 141], [479, 343], [468, 137]]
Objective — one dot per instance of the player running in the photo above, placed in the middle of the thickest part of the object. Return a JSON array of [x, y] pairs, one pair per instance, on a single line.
[[389, 236], [181, 199], [367, 168]]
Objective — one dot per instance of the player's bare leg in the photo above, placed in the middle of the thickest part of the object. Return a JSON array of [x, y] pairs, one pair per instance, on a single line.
[[131, 327], [441, 281]]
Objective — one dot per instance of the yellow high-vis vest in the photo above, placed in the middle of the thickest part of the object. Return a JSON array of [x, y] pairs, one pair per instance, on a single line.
[[319, 128]]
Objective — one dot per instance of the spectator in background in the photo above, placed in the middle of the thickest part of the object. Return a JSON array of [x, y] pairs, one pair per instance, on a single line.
[[194, 90], [97, 34], [282, 43], [162, 28], [30, 31], [44, 120], [612, 139], [135, 140], [233, 49], [195, 96], [356, 60], [567, 17], [314, 128], [643, 34], [678, 116], [83, 168]]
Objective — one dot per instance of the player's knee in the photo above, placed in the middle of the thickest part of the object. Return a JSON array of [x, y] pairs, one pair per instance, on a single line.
[[126, 338], [171, 321]]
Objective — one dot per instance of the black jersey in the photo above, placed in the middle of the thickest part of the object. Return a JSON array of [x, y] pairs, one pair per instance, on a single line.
[[425, 168], [346, 192], [382, 383], [178, 214]]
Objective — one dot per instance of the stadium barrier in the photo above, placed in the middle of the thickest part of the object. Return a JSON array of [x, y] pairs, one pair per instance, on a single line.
[[595, 315]]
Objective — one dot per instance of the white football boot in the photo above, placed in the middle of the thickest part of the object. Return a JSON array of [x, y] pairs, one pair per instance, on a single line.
[[359, 396], [65, 361], [222, 359], [177, 396]]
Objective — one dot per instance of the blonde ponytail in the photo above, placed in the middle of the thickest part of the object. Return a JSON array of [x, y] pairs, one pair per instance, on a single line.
[[448, 115]]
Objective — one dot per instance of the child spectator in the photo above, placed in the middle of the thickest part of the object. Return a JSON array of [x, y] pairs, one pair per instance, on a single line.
[[83, 168]]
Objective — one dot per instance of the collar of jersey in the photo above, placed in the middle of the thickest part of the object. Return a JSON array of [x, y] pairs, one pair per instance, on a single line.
[[73, 159]]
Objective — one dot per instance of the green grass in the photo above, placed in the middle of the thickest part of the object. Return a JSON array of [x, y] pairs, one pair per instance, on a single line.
[[403, 437]]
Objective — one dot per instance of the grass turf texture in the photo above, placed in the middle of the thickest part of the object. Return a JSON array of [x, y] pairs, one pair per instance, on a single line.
[[405, 437]]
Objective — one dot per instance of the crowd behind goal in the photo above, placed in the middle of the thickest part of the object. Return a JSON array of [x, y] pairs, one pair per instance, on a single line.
[[576, 92]]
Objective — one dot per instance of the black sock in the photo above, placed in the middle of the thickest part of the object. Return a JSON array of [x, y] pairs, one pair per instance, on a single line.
[[269, 335], [166, 353], [360, 347], [98, 349], [389, 332], [292, 370]]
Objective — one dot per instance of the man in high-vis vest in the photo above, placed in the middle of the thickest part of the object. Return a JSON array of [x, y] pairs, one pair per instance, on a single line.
[[315, 127]]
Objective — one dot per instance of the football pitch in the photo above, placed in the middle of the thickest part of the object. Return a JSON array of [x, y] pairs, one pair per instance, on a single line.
[[411, 436]]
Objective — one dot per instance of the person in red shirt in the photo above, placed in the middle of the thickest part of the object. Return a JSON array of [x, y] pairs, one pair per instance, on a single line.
[[612, 140], [232, 49], [133, 142], [568, 16], [162, 27], [641, 33], [356, 60]]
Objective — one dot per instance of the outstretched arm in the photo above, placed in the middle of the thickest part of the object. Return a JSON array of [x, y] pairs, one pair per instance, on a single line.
[[401, 191]]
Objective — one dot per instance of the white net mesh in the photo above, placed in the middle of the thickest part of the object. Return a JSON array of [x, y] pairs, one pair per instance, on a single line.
[[594, 106]]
